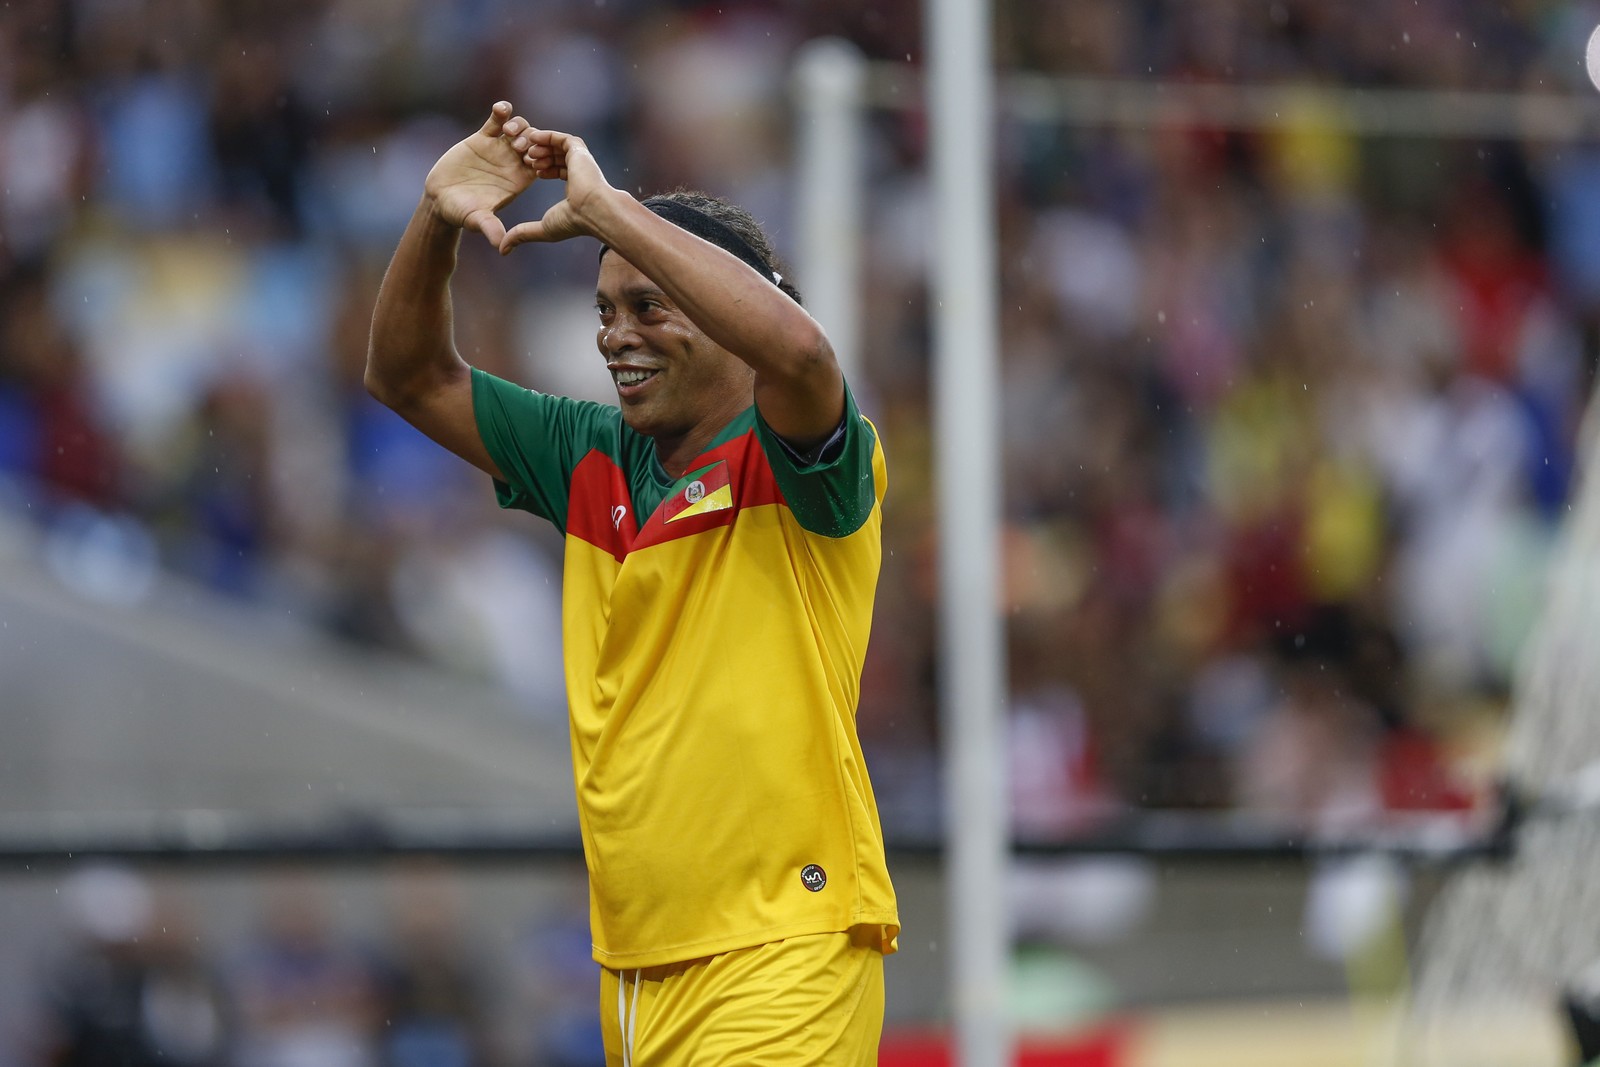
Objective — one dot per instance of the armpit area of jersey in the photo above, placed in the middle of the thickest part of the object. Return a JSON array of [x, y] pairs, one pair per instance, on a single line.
[[826, 452]]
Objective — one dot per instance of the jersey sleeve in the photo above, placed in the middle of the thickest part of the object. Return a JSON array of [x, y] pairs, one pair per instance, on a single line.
[[833, 496], [537, 440]]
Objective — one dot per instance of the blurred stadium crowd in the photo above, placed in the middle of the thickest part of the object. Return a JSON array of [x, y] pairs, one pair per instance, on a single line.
[[1291, 416], [137, 984]]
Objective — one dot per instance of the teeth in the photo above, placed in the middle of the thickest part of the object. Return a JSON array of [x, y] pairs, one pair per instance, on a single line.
[[631, 377]]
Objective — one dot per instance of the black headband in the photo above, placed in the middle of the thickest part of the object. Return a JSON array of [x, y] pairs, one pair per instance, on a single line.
[[717, 232]]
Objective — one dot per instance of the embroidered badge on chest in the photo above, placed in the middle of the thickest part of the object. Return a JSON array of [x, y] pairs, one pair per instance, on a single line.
[[708, 489]]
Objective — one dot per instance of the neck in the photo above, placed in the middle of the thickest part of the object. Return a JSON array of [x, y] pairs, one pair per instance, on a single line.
[[677, 451]]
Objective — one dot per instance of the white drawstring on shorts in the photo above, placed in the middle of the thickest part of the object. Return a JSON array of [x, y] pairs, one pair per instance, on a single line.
[[627, 1015]]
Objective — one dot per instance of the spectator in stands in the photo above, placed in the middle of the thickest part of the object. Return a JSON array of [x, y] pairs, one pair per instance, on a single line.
[[132, 991], [435, 996], [305, 997]]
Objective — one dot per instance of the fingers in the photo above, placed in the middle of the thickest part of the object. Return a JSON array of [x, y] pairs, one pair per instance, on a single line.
[[556, 143], [488, 224], [522, 233], [547, 169], [544, 151], [550, 151], [539, 155], [544, 164], [517, 130], [496, 122], [519, 133]]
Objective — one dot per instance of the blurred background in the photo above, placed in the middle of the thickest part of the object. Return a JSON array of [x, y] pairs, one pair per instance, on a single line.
[[1291, 423]]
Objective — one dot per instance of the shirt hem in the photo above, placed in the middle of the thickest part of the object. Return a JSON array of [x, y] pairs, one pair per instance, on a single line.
[[627, 961]]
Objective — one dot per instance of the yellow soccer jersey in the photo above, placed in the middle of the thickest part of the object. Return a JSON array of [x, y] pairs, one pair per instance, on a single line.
[[714, 628]]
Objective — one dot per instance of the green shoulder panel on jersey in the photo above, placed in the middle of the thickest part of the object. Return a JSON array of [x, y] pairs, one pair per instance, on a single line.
[[537, 440], [832, 498]]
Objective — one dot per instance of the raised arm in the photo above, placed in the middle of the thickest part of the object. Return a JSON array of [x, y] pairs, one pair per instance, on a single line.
[[412, 363], [799, 388]]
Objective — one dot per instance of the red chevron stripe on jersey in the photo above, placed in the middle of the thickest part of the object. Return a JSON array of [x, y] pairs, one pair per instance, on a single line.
[[600, 509], [748, 479]]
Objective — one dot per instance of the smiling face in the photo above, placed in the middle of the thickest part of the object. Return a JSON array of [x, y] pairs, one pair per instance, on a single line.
[[673, 382]]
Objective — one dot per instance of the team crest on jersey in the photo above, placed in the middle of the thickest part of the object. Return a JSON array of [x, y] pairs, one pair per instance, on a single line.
[[708, 489], [813, 877]]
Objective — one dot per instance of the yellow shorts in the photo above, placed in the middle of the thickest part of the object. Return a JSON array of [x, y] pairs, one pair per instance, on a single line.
[[814, 1000]]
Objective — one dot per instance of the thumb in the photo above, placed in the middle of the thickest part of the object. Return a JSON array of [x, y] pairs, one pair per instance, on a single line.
[[488, 224], [497, 119], [522, 233]]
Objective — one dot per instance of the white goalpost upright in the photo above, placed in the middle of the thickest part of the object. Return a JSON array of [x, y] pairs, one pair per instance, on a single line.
[[831, 83], [830, 80], [966, 394]]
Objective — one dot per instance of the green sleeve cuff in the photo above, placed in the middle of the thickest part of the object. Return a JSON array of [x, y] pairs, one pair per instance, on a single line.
[[832, 497]]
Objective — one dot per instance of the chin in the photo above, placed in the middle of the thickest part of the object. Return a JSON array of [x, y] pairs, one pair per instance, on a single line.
[[642, 421]]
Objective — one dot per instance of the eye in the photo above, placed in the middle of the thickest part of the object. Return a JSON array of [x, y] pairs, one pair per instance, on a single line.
[[603, 309]]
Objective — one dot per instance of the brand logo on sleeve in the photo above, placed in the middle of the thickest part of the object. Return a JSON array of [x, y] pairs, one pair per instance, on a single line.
[[813, 877], [618, 513]]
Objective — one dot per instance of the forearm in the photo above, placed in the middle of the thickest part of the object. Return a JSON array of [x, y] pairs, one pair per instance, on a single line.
[[411, 349]]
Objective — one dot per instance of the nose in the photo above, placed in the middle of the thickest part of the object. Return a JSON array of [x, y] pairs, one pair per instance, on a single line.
[[619, 336]]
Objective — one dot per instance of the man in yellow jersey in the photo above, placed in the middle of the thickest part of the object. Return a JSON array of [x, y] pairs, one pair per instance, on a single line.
[[722, 551]]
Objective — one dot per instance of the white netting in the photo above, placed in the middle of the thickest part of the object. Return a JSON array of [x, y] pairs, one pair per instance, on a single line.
[[1505, 940]]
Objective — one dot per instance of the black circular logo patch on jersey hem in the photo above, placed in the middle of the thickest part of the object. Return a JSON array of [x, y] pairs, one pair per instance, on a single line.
[[813, 877]]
